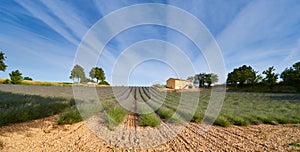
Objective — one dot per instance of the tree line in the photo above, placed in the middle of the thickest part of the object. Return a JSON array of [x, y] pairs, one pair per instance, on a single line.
[[77, 73], [97, 73], [247, 76], [239, 77]]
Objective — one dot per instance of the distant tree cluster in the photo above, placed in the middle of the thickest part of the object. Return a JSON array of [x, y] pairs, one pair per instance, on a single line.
[[204, 79], [158, 85], [244, 75], [291, 76], [247, 76], [27, 78], [95, 73]]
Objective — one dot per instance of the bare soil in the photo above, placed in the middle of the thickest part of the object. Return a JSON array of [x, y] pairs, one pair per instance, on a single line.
[[46, 135]]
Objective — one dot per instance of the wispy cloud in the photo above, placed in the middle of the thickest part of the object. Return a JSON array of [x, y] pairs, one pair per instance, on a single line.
[[260, 31], [34, 55], [47, 33], [38, 10], [151, 50], [73, 22]]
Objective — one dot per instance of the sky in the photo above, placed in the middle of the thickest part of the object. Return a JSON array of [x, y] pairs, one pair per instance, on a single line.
[[42, 38]]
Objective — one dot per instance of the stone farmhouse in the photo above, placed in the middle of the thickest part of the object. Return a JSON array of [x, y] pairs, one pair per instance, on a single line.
[[175, 83]]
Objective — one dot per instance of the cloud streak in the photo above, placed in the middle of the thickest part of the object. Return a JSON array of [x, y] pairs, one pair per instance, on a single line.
[[47, 33]]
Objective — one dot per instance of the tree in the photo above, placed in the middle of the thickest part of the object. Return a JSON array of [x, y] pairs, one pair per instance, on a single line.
[[103, 83], [28, 78], [205, 78], [199, 79], [98, 74], [258, 79], [233, 79], [211, 78], [16, 77], [244, 75], [190, 79], [78, 73], [271, 77], [2, 64], [291, 76]]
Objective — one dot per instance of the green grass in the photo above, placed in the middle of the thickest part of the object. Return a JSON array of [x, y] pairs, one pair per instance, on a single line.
[[197, 117], [114, 117], [149, 120], [165, 113], [267, 120], [236, 120], [70, 116], [222, 121], [252, 120], [175, 119], [295, 144]]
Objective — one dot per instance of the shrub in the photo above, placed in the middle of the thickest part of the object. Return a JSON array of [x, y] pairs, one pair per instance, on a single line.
[[26, 113], [16, 77], [103, 83], [186, 115], [294, 144], [236, 120], [282, 120], [149, 120], [266, 120], [106, 104], [222, 121], [240, 121], [197, 117], [175, 119], [295, 120], [165, 113], [6, 81], [252, 119], [70, 116], [114, 117], [28, 78], [72, 102]]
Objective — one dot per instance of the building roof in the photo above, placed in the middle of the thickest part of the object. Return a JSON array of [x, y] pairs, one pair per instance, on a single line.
[[174, 78], [178, 79]]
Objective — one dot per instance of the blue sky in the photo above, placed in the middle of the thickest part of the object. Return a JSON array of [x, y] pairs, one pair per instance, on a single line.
[[40, 38]]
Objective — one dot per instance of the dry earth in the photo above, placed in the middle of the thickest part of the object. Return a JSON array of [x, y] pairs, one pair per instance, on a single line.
[[45, 135]]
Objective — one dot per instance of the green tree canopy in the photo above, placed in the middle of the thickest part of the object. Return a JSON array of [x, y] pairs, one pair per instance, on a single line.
[[270, 78], [244, 75], [28, 78], [205, 78], [3, 66], [191, 79], [78, 73], [291, 76], [199, 79], [211, 78], [98, 74], [16, 77]]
